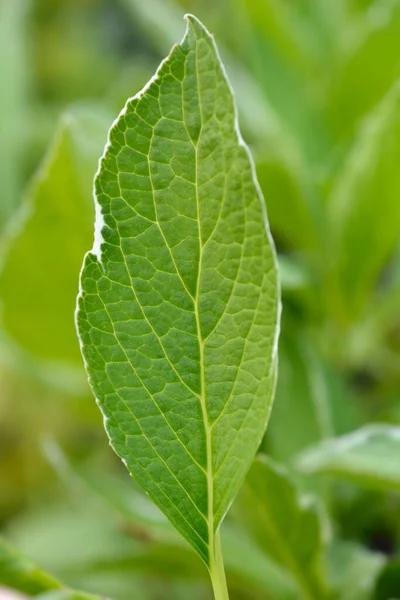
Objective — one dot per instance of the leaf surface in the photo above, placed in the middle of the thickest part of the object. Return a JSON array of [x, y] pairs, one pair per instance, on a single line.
[[178, 308], [370, 455]]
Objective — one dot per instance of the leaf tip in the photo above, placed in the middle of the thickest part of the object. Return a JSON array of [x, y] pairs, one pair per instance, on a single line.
[[196, 26]]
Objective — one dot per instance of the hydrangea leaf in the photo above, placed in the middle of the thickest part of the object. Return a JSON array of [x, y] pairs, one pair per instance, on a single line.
[[178, 308]]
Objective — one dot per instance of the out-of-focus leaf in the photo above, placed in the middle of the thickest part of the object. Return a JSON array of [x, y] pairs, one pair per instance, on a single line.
[[367, 340], [81, 541], [388, 584], [286, 193], [123, 549], [353, 570], [160, 20], [365, 210], [284, 30], [370, 456], [285, 525], [38, 281], [21, 574], [247, 564], [368, 68], [302, 411], [13, 102], [68, 595], [312, 401], [325, 22], [277, 53], [293, 275], [58, 375]]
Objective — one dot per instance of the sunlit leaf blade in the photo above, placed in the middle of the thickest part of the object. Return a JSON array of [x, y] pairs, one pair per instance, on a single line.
[[365, 210], [44, 253], [370, 455], [178, 308], [284, 524]]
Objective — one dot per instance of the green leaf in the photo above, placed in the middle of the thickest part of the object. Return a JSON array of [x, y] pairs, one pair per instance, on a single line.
[[178, 308], [13, 102], [38, 280], [67, 595], [370, 456], [285, 525], [21, 574], [364, 209]]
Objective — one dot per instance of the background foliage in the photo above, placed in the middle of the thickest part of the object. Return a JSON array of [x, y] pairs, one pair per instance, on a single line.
[[319, 101]]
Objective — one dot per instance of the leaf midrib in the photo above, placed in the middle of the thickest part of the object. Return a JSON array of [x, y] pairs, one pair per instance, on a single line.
[[207, 429]]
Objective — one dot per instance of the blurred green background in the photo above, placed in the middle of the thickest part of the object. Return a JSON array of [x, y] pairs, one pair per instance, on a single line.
[[318, 93]]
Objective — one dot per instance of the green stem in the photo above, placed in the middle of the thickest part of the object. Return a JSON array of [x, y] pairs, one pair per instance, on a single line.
[[217, 571]]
